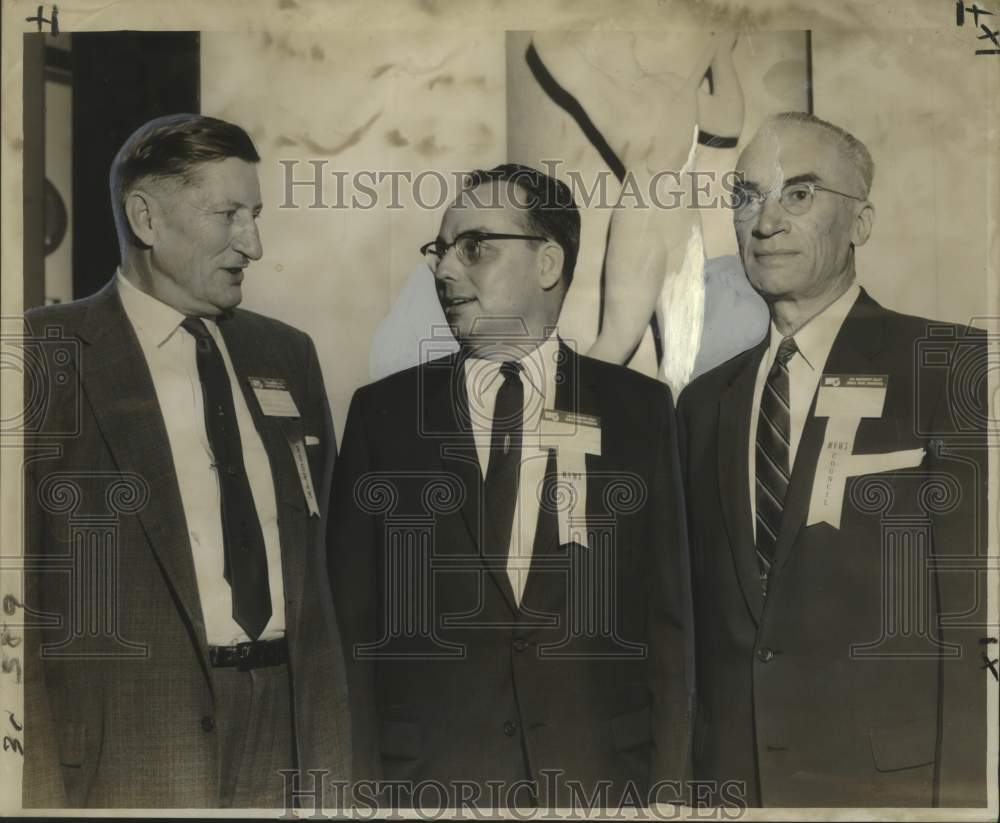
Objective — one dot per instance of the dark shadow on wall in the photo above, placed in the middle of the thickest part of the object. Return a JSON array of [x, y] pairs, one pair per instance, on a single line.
[[119, 80]]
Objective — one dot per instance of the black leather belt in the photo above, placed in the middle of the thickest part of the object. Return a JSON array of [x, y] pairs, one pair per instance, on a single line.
[[257, 654]]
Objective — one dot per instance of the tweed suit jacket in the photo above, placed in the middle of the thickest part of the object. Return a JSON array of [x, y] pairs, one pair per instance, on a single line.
[[119, 689]]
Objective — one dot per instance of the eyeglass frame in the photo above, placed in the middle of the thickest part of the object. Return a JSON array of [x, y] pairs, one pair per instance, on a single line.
[[811, 185], [473, 233]]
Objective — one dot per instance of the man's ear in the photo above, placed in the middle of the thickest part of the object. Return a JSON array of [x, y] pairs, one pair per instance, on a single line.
[[863, 225], [141, 211], [551, 259]]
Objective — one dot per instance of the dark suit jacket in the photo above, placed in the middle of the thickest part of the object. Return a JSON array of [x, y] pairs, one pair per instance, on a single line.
[[467, 686], [858, 680], [120, 710]]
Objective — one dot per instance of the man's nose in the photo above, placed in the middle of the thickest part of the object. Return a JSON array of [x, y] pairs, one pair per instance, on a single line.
[[772, 218], [449, 267], [248, 242]]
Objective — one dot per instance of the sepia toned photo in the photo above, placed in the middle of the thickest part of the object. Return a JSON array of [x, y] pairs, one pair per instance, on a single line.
[[442, 410]]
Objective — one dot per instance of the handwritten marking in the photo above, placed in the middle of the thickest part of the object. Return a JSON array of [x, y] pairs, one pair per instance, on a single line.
[[976, 11], [8, 639], [9, 664], [991, 665], [13, 721], [40, 18]]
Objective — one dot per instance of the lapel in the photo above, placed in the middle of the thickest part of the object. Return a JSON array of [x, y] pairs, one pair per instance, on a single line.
[[860, 338], [447, 421], [252, 359], [117, 382], [543, 589], [734, 472]]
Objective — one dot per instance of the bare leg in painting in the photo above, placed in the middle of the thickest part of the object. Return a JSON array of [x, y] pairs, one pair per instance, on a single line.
[[654, 261]]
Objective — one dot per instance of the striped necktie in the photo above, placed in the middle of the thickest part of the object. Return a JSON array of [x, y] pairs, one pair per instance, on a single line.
[[773, 448]]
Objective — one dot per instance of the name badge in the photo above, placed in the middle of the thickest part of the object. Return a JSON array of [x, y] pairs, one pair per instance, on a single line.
[[845, 399], [302, 467], [571, 431], [571, 475], [573, 435], [274, 397], [851, 395]]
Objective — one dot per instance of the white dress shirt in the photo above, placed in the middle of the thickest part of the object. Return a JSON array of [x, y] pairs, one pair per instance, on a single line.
[[813, 341], [170, 355], [538, 377]]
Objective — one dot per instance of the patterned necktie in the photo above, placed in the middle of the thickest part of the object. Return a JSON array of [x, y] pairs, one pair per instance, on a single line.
[[503, 472], [245, 557], [773, 447]]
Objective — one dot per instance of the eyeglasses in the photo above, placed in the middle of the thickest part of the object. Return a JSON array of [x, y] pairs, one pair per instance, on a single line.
[[467, 246], [796, 199]]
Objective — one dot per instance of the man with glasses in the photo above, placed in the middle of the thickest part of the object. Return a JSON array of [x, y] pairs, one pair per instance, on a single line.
[[835, 483], [508, 554]]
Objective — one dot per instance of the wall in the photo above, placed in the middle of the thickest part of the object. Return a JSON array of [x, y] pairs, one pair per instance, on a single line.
[[381, 101]]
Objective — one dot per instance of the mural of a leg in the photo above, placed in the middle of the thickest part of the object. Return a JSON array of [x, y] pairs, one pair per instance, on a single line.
[[651, 120]]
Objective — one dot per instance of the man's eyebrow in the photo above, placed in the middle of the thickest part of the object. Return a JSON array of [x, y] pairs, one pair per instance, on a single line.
[[803, 178], [229, 203], [808, 177], [463, 232]]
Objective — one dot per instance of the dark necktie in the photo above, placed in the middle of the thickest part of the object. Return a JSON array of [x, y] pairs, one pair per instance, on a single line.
[[503, 471], [773, 448], [245, 557]]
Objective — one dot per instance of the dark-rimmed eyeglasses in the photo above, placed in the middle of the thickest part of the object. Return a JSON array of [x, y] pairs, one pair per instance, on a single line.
[[467, 246], [795, 199]]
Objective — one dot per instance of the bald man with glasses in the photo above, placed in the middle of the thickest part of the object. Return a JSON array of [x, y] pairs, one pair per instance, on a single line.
[[836, 486]]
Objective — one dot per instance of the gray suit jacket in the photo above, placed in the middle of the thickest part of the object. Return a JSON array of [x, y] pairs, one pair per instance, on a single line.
[[119, 699]]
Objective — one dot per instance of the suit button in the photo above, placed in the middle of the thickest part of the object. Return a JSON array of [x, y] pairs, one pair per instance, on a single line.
[[764, 654], [207, 724], [520, 645], [510, 728]]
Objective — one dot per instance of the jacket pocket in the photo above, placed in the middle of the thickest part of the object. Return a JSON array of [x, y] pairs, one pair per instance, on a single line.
[[72, 742], [631, 730], [400, 739], [904, 747]]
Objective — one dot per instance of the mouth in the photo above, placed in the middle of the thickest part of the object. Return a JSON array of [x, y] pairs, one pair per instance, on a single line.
[[452, 303], [776, 256], [235, 271]]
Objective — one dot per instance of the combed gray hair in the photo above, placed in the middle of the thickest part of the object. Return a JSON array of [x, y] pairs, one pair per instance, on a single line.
[[854, 150]]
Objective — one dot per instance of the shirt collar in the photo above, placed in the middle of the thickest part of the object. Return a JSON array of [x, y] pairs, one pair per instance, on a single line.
[[815, 339], [539, 365], [154, 321]]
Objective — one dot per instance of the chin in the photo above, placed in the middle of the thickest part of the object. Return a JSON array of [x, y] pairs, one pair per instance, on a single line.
[[230, 300]]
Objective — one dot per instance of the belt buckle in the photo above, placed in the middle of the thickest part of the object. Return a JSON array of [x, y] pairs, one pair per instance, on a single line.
[[243, 653]]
